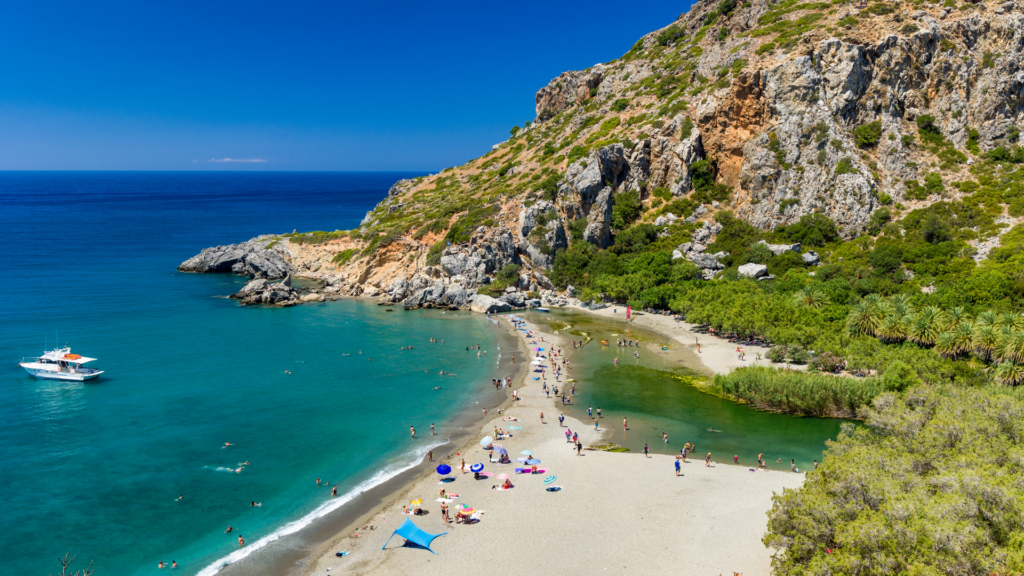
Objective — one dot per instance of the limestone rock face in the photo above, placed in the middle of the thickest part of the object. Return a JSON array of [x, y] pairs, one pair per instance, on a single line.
[[250, 258], [483, 304], [568, 89]]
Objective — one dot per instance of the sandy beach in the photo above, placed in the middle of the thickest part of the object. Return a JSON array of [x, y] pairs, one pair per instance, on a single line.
[[618, 513]]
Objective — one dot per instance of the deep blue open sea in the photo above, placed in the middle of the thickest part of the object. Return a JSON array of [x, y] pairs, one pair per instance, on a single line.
[[96, 469]]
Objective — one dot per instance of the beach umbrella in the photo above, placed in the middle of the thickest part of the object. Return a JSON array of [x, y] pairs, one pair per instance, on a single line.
[[461, 506], [466, 511], [416, 502], [536, 363], [523, 459], [533, 461], [444, 469], [502, 476], [527, 452], [486, 441], [550, 480], [476, 467], [502, 450]]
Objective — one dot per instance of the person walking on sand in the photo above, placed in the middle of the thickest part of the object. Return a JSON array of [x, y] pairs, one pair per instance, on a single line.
[[677, 467], [463, 466], [412, 430], [707, 460], [579, 448], [647, 449], [541, 417], [430, 455]]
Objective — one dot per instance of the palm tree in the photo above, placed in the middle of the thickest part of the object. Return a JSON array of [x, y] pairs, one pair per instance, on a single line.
[[986, 336], [963, 335], [1006, 319], [945, 344], [893, 328], [925, 327], [1009, 373], [986, 318], [955, 316], [862, 319], [811, 296], [1010, 347]]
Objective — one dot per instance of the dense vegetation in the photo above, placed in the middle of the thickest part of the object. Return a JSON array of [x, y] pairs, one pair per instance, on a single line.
[[932, 484], [799, 392]]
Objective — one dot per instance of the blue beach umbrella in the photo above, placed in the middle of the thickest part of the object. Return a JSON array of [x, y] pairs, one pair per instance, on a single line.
[[476, 467], [444, 469], [502, 450], [486, 441], [533, 461], [550, 480]]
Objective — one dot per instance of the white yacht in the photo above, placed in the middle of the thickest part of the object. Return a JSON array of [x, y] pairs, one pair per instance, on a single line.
[[60, 364]]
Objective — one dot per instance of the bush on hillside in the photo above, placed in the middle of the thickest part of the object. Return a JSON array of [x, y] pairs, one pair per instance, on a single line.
[[931, 484]]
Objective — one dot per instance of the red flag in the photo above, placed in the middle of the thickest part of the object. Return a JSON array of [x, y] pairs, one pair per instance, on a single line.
[[629, 312]]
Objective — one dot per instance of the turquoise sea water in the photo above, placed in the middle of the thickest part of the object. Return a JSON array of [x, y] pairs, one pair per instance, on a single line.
[[97, 469], [644, 391]]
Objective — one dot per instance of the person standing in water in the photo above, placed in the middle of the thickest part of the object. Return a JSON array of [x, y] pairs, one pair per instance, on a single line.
[[241, 541], [432, 429], [647, 449], [412, 430], [625, 425]]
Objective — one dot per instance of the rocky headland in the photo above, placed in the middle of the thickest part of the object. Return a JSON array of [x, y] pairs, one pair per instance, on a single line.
[[767, 112]]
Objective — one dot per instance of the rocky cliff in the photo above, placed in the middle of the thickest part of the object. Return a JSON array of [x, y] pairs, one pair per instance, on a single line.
[[772, 111]]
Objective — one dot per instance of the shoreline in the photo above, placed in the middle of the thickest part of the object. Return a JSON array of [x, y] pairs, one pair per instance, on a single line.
[[741, 552], [286, 553]]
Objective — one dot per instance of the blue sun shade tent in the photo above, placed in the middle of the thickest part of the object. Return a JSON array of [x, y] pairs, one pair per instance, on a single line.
[[412, 533]]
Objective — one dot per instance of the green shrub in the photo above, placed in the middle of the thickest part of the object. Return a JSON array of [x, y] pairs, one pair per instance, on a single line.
[[884, 199], [867, 134], [342, 258], [765, 48], [844, 166], [909, 29], [686, 128], [626, 210], [880, 9], [620, 104], [576, 153]]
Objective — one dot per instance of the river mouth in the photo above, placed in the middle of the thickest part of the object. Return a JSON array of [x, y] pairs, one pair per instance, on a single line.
[[652, 386]]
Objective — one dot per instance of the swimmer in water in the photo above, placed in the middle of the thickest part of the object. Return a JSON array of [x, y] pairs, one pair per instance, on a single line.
[[228, 530], [241, 542], [317, 481], [334, 491], [181, 497], [257, 504], [226, 444]]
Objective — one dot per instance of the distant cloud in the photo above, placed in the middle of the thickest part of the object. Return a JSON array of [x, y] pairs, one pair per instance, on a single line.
[[249, 160]]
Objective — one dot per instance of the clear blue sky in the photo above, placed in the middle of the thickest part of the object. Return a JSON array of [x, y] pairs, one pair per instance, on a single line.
[[161, 85]]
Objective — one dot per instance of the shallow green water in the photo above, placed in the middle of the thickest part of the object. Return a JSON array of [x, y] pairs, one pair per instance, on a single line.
[[649, 394]]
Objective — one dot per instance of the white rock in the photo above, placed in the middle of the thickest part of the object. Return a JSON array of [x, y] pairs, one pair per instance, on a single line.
[[753, 270]]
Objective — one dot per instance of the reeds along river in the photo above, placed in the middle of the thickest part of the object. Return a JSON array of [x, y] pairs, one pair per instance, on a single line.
[[97, 469]]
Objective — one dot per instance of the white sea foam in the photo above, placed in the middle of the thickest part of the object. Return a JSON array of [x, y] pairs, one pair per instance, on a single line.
[[322, 510]]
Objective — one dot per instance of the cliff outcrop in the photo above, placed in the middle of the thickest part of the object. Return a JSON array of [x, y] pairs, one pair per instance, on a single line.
[[770, 111]]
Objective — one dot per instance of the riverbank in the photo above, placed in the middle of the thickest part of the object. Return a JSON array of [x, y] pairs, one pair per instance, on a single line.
[[624, 512]]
